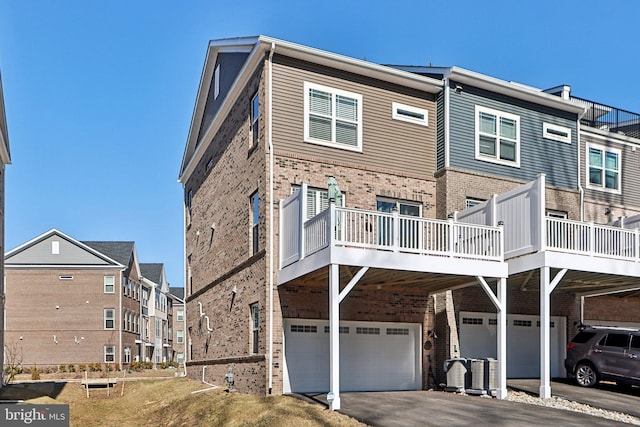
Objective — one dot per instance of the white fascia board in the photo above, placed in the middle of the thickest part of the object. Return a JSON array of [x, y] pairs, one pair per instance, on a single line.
[[5, 158], [53, 231], [514, 90], [610, 137], [263, 44], [65, 267]]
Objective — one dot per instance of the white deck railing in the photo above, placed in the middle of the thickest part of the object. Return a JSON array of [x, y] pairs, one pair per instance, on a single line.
[[357, 228], [528, 230], [592, 239]]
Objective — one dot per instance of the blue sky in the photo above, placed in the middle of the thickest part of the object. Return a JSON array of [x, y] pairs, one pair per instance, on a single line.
[[99, 95]]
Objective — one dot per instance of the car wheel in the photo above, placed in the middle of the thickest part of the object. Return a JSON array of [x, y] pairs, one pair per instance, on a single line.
[[586, 376]]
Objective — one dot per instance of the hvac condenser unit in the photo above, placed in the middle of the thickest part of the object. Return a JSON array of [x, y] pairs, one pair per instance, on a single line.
[[457, 374]]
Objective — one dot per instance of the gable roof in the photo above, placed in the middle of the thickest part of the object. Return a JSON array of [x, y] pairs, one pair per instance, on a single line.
[[177, 292], [120, 251], [257, 47], [37, 251], [5, 155], [152, 271]]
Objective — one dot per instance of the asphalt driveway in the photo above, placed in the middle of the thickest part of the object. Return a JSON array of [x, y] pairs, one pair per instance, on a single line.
[[437, 408]]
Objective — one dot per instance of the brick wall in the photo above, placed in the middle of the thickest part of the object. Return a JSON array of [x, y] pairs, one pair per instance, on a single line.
[[72, 310]]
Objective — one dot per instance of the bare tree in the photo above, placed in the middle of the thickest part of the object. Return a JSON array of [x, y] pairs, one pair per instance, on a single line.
[[12, 361]]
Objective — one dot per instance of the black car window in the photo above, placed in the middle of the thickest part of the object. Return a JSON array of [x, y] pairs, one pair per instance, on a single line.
[[635, 342], [583, 337], [616, 340]]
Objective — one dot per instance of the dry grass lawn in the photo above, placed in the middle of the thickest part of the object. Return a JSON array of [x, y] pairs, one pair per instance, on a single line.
[[170, 402]]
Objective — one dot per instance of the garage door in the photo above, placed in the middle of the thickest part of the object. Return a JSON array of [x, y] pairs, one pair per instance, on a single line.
[[478, 340], [374, 356]]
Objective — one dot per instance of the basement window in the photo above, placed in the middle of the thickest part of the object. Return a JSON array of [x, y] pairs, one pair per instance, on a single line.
[[65, 277], [410, 114]]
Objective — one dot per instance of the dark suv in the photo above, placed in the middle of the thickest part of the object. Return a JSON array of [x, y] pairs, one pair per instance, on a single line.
[[612, 354]]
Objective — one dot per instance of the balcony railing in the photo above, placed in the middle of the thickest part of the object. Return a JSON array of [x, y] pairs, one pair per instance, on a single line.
[[392, 232], [615, 120], [592, 239]]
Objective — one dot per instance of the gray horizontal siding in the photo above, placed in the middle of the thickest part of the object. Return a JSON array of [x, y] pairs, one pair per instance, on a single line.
[[556, 159], [40, 254], [389, 144], [630, 170]]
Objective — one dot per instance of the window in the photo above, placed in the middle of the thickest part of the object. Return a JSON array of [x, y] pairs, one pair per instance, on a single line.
[[65, 277], [615, 340], [556, 133], [410, 114], [189, 200], [255, 115], [109, 353], [127, 355], [180, 314], [332, 117], [109, 318], [471, 202], [604, 168], [180, 336], [556, 214], [55, 248], [255, 220], [216, 82], [180, 358], [158, 328], [255, 325], [317, 200], [109, 284], [410, 231], [497, 137]]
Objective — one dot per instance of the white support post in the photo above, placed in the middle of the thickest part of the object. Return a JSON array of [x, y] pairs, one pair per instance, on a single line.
[[334, 338], [636, 240], [502, 339], [545, 308], [541, 214], [452, 237], [592, 239], [331, 238], [396, 230], [303, 216]]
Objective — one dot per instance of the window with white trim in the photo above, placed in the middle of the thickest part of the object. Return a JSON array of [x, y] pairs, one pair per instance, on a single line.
[[551, 213], [255, 115], [180, 315], [216, 82], [109, 353], [127, 355], [556, 132], [604, 168], [109, 284], [317, 200], [497, 136], [409, 114], [180, 336], [109, 318], [55, 247], [332, 117]]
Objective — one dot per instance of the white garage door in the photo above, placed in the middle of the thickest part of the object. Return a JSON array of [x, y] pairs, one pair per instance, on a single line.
[[478, 340], [374, 356]]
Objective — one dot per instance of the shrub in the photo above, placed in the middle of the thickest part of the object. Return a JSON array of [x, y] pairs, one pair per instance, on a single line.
[[35, 373], [71, 367], [136, 366], [164, 365], [62, 368], [148, 365], [82, 367]]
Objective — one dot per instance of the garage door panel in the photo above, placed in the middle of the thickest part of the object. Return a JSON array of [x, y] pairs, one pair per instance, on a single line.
[[478, 340], [374, 356]]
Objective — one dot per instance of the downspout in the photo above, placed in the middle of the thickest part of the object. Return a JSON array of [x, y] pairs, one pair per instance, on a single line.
[[271, 233]]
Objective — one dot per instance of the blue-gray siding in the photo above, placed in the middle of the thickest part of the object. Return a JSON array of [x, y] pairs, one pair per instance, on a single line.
[[230, 65], [558, 160]]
